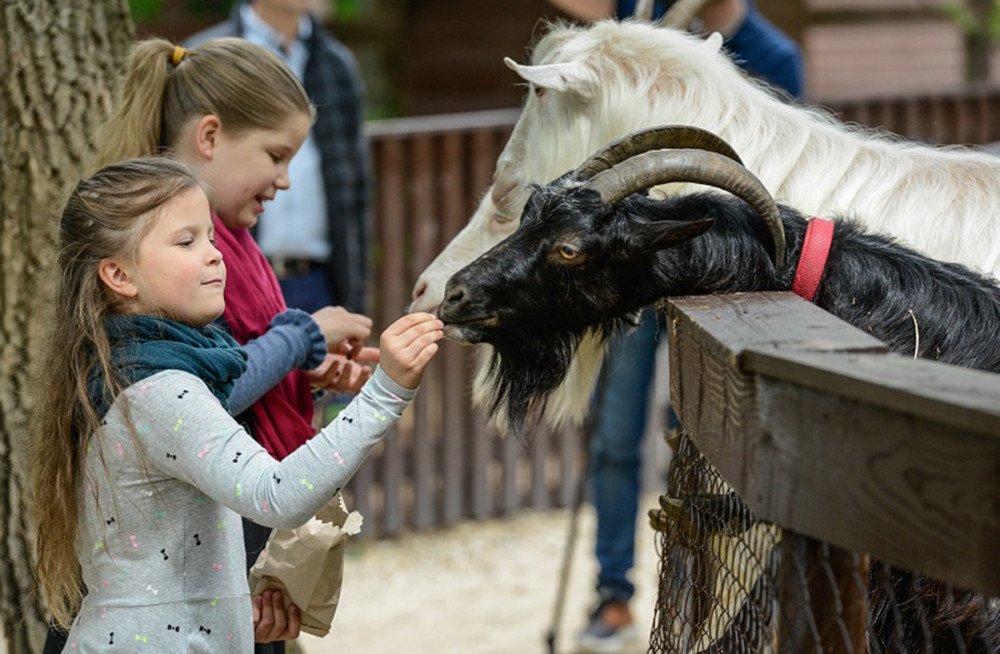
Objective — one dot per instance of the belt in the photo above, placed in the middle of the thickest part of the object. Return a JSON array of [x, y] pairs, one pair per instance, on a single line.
[[294, 266]]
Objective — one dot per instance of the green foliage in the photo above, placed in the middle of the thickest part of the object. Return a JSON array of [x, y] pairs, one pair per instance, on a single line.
[[145, 10], [150, 11], [346, 10], [980, 18]]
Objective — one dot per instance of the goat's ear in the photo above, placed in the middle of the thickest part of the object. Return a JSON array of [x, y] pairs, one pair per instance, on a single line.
[[662, 234], [570, 76], [714, 42]]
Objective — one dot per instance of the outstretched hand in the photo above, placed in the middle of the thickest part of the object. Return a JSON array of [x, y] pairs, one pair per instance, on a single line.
[[407, 347], [345, 332], [339, 374]]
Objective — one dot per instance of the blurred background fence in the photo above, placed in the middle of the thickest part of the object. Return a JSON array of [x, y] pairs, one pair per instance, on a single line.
[[445, 464]]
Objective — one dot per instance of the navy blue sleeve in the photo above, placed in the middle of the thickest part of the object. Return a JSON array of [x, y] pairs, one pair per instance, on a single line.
[[766, 52], [758, 47], [293, 341]]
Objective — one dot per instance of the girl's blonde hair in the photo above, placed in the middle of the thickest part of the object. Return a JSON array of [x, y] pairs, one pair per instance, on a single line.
[[105, 216], [164, 87]]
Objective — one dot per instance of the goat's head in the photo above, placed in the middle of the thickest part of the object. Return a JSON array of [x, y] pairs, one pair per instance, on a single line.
[[582, 259], [583, 84]]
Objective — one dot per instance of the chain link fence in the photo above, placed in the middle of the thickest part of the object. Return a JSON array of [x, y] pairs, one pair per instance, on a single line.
[[731, 584]]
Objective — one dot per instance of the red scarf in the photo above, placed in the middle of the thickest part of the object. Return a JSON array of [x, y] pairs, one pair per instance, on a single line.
[[283, 416]]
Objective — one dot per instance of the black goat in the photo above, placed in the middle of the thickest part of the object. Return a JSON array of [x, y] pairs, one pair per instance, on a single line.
[[578, 262], [591, 251]]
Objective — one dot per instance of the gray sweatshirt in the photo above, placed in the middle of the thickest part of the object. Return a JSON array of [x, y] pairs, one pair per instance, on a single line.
[[160, 538]]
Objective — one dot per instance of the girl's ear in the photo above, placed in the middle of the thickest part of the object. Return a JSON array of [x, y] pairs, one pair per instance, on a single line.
[[206, 136], [117, 278]]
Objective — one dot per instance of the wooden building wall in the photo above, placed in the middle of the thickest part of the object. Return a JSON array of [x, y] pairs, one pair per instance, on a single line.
[[423, 57], [860, 48], [454, 53], [852, 49]]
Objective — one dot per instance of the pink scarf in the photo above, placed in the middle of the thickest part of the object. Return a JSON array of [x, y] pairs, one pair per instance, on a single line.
[[283, 416]]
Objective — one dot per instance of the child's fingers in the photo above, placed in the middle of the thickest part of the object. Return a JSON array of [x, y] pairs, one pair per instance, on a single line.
[[406, 322], [416, 330], [424, 356], [368, 355]]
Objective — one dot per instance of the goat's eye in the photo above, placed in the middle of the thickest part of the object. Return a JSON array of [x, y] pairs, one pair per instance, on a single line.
[[569, 254], [539, 91]]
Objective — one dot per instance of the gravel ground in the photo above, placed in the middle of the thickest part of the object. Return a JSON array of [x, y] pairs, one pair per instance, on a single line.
[[481, 587]]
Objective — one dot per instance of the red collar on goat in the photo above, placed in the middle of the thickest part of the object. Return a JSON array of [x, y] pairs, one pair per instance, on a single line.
[[812, 259]]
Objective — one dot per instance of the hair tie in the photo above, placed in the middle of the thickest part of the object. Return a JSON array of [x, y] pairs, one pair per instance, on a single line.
[[178, 55]]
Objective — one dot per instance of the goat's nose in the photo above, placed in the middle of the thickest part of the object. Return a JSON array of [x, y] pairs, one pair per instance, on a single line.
[[455, 296], [419, 289]]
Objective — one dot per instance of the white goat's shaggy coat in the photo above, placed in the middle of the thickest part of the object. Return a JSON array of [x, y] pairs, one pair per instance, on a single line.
[[591, 85]]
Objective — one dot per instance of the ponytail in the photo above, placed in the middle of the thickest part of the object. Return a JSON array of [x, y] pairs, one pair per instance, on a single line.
[[165, 87]]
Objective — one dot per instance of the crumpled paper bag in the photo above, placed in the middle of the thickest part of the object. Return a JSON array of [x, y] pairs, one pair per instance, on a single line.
[[307, 564]]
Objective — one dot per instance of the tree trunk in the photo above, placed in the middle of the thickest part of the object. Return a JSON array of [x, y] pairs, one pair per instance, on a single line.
[[58, 61]]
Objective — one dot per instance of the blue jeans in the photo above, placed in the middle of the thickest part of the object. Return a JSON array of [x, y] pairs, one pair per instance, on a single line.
[[616, 451]]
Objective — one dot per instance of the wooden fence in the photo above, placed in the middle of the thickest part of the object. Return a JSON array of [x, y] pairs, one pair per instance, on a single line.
[[444, 465], [829, 437]]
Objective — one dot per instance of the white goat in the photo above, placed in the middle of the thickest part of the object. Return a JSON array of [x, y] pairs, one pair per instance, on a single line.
[[590, 85]]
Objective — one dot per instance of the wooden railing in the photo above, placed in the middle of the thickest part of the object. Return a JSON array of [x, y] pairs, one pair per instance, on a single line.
[[824, 434], [445, 465]]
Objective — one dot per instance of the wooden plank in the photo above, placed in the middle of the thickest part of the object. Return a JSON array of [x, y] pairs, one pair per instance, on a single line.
[[511, 452], [454, 428], [475, 121], [921, 494], [483, 497], [392, 208], [928, 390], [768, 320], [836, 442], [540, 447]]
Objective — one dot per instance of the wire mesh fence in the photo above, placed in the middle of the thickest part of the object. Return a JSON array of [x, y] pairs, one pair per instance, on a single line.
[[732, 584]]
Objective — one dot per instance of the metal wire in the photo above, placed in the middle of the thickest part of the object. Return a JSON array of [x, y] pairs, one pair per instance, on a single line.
[[732, 584]]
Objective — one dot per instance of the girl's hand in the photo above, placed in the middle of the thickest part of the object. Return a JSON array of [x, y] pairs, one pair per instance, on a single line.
[[339, 374], [345, 332], [408, 345], [271, 622]]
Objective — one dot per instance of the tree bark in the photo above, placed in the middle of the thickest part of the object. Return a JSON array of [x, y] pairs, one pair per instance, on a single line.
[[59, 60]]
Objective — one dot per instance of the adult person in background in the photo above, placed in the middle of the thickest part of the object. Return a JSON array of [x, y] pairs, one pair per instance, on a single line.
[[316, 234], [616, 449]]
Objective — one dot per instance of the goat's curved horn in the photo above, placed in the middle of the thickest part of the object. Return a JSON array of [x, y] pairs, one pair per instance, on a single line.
[[682, 13], [696, 166], [654, 138]]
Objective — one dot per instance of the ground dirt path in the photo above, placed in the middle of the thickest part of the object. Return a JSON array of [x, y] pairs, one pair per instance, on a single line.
[[477, 588]]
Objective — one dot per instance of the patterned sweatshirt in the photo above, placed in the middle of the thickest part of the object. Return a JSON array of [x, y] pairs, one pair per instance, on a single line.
[[160, 538]]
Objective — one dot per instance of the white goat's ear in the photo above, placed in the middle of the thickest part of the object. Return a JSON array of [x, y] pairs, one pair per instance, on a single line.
[[572, 76], [714, 42]]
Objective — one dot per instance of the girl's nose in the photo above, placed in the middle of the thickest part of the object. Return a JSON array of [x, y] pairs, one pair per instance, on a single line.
[[214, 255], [282, 182]]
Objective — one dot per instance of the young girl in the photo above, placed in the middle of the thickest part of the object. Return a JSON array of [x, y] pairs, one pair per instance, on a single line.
[[237, 114], [140, 472]]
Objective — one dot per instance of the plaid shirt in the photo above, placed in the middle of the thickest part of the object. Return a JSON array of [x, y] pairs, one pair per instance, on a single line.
[[335, 87]]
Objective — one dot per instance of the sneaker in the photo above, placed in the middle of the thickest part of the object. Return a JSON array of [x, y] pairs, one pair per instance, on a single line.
[[610, 628]]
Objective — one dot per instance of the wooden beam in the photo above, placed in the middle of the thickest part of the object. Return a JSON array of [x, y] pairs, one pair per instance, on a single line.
[[821, 433]]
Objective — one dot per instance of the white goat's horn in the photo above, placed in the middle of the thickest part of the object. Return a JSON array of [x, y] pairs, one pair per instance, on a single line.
[[653, 138], [682, 13], [643, 10], [650, 169]]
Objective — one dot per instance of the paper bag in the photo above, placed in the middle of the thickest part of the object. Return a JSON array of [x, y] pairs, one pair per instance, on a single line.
[[307, 564]]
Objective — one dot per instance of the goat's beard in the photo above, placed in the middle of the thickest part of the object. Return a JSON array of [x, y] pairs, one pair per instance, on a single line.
[[522, 374]]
